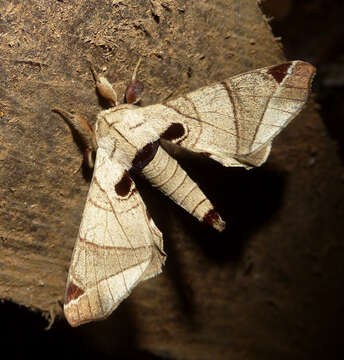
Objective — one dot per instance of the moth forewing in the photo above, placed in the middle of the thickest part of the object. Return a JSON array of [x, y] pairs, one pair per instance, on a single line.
[[235, 121], [118, 245]]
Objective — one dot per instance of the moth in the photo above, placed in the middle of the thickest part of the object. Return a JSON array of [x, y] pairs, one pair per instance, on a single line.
[[232, 122]]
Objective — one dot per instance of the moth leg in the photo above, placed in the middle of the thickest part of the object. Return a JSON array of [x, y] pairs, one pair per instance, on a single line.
[[166, 174], [85, 131], [104, 87], [134, 90]]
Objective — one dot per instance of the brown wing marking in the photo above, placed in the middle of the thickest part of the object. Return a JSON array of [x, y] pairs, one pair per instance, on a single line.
[[235, 116]]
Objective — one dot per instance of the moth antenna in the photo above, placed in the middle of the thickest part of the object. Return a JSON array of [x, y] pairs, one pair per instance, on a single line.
[[104, 87], [82, 127], [134, 90], [136, 68]]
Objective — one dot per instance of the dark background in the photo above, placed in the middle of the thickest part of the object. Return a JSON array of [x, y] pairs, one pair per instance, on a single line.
[[310, 30], [313, 31]]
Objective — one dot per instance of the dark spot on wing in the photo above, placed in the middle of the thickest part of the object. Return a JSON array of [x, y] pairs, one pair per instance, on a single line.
[[280, 71], [174, 131], [123, 186], [73, 292], [145, 155]]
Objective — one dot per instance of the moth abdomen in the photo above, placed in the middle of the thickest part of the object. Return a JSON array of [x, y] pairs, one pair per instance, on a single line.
[[164, 173]]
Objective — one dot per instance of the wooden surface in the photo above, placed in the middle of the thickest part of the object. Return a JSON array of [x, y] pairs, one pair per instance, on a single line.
[[255, 289]]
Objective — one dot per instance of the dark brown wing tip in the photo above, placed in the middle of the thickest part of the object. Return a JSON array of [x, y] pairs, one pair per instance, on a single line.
[[299, 68], [279, 72], [73, 292]]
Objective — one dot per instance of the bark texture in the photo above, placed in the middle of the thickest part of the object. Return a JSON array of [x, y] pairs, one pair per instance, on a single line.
[[257, 290]]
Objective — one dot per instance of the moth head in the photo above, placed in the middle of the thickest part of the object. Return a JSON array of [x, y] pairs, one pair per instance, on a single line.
[[108, 118], [106, 122]]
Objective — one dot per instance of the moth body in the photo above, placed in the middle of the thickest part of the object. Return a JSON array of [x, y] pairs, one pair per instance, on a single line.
[[127, 131]]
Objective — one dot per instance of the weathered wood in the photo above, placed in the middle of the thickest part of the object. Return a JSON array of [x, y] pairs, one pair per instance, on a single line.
[[221, 295]]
